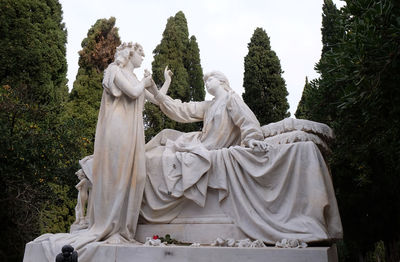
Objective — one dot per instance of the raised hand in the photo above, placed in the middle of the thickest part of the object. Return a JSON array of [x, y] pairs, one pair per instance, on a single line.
[[167, 74]]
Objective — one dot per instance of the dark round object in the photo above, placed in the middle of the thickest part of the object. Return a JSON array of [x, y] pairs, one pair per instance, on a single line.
[[67, 249], [68, 254]]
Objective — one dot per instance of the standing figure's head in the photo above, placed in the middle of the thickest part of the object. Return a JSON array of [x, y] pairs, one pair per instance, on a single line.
[[216, 79], [129, 52]]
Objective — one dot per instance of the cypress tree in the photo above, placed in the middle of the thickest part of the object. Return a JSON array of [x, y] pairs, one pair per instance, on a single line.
[[32, 49], [322, 92], [181, 55], [98, 50], [330, 29], [196, 83], [303, 110], [265, 89]]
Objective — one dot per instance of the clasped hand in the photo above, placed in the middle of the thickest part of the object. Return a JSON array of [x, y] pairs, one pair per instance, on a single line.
[[148, 79], [152, 87]]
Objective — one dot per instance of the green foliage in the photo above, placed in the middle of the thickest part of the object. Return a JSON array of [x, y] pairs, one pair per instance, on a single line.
[[324, 90], [182, 56], [32, 49], [378, 254], [193, 66], [57, 214], [167, 239], [98, 50], [331, 28], [265, 89], [358, 95], [303, 111], [36, 149]]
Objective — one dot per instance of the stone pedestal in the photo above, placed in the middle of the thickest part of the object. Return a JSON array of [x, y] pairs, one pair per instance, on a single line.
[[190, 233], [131, 253], [195, 224]]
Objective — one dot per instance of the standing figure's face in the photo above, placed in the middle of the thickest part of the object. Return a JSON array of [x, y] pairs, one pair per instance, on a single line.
[[137, 59], [212, 84]]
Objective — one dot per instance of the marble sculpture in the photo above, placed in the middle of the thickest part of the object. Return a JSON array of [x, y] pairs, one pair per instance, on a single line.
[[272, 180]]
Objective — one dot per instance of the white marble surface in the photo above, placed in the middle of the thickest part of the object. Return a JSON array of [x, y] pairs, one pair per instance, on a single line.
[[225, 181], [119, 253], [211, 213], [195, 224], [271, 191], [190, 233]]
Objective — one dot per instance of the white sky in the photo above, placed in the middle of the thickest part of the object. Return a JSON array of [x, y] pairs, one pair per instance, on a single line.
[[223, 29]]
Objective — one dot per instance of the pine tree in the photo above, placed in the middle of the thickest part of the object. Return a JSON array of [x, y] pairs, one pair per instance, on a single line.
[[98, 50], [303, 110], [181, 55], [265, 89]]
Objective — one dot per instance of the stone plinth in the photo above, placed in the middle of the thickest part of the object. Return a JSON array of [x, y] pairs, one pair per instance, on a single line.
[[190, 233], [125, 253], [195, 224]]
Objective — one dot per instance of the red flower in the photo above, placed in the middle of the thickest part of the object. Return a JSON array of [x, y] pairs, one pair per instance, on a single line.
[[155, 237]]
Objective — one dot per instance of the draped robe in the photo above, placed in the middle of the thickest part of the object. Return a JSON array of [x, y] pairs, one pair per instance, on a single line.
[[286, 192], [118, 173]]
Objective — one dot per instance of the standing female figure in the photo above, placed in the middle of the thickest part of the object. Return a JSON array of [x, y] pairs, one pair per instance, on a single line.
[[118, 163], [119, 167]]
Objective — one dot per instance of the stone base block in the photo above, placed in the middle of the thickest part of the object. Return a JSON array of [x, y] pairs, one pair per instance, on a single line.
[[190, 233], [126, 253]]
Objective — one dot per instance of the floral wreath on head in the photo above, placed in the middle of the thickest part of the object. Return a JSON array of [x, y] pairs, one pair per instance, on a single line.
[[125, 51]]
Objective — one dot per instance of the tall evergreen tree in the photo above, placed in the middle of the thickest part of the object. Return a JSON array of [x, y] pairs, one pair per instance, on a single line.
[[37, 150], [98, 50], [181, 55], [196, 83], [303, 110], [358, 95], [265, 89], [32, 52], [323, 90]]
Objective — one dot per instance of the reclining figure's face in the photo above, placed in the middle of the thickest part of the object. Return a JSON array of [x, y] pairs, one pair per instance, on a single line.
[[212, 84]]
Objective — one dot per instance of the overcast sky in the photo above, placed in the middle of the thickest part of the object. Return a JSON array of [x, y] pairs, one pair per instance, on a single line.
[[223, 29]]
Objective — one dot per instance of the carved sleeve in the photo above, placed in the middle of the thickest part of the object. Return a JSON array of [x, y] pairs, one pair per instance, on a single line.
[[108, 81], [245, 119], [115, 83], [180, 111]]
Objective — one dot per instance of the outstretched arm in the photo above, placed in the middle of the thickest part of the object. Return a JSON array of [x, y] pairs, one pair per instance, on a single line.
[[149, 96]]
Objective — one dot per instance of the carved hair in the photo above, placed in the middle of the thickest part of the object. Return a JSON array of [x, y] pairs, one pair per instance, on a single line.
[[221, 77], [126, 51]]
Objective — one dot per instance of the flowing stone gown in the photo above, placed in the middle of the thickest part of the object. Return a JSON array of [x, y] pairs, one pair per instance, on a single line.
[[118, 173], [283, 193], [119, 169]]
